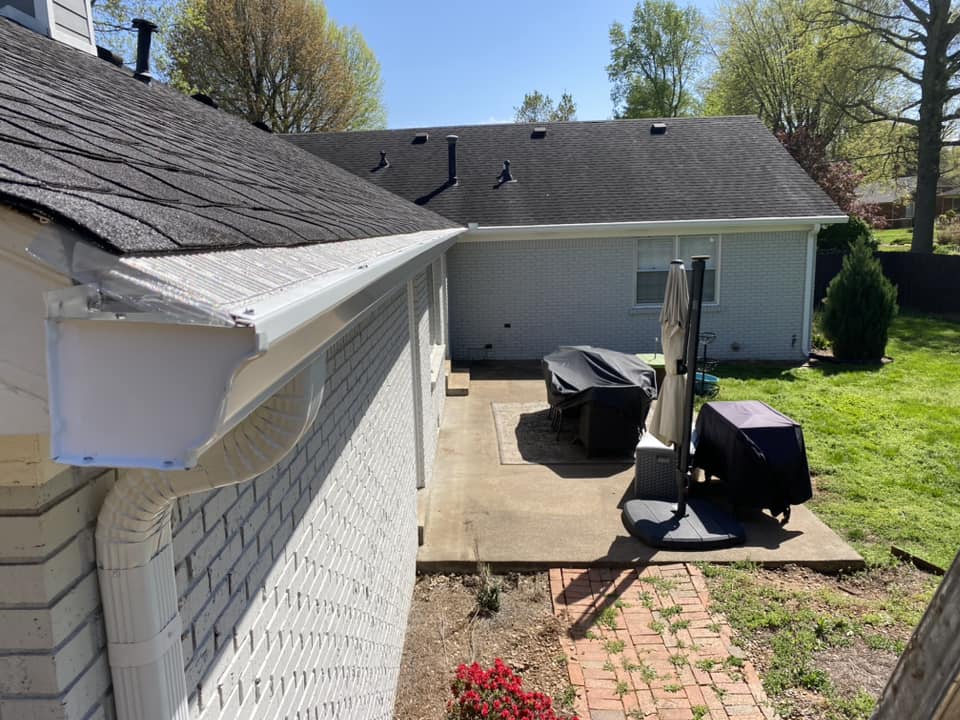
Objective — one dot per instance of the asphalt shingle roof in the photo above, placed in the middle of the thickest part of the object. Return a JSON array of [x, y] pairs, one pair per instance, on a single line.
[[145, 169], [587, 172]]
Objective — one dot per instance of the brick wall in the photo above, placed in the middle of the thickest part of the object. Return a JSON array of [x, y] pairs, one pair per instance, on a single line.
[[294, 587], [53, 663], [581, 292]]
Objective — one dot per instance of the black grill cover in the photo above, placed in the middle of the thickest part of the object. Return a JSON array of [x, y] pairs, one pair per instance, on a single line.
[[758, 452], [615, 388]]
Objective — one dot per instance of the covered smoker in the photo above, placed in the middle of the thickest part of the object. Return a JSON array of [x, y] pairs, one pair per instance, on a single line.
[[608, 392]]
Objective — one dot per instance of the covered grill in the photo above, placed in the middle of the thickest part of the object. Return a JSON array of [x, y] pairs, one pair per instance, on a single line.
[[609, 392]]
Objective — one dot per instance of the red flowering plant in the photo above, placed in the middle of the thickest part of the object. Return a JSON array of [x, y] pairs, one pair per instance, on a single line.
[[495, 694]]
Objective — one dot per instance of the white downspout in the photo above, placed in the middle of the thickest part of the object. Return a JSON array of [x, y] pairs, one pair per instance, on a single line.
[[135, 554], [811, 279]]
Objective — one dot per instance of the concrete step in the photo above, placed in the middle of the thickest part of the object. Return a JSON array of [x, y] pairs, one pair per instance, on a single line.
[[458, 381]]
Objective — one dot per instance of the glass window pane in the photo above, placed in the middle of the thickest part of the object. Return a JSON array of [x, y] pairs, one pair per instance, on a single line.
[[651, 287], [654, 253]]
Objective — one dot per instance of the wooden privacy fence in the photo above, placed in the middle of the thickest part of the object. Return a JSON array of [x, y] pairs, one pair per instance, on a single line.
[[925, 283]]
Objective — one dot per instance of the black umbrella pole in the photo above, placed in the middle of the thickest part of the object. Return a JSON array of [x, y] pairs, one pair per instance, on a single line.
[[690, 361]]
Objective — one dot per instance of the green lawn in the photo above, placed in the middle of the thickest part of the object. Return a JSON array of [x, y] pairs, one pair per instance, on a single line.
[[894, 239], [882, 441]]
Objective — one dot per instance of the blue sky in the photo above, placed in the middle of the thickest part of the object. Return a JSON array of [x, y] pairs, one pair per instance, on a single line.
[[460, 62]]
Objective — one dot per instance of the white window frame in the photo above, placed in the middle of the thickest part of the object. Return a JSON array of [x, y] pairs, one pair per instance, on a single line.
[[676, 254]]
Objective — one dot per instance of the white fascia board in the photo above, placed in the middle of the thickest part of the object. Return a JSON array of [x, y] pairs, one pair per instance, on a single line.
[[137, 390], [480, 233]]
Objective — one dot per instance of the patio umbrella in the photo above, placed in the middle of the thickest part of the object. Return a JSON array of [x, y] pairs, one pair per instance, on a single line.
[[666, 421]]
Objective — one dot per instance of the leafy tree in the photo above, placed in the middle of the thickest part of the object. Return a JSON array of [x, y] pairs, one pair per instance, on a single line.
[[926, 39], [880, 150], [776, 59], [838, 179], [111, 23], [282, 62], [653, 65], [537, 107], [860, 305]]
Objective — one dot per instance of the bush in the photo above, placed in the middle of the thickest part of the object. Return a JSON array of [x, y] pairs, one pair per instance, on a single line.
[[860, 305], [488, 592], [495, 694], [841, 238], [947, 229]]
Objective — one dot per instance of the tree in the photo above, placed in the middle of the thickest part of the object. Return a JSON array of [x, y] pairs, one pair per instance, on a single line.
[[652, 67], [282, 62], [776, 61], [537, 107], [838, 178], [860, 305], [111, 23], [926, 38]]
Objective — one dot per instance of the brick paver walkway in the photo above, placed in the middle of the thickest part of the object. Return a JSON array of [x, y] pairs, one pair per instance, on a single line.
[[642, 644]]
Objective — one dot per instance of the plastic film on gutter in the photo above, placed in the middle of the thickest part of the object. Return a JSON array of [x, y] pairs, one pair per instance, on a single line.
[[120, 289]]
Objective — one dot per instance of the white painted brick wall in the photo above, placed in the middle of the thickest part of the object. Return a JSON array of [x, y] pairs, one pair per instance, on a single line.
[[581, 292], [52, 645]]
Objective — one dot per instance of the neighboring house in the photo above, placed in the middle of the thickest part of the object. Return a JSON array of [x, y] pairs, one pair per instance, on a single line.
[[570, 243], [256, 339], [894, 198]]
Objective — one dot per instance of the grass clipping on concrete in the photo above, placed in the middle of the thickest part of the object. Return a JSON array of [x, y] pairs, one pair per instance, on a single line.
[[882, 440]]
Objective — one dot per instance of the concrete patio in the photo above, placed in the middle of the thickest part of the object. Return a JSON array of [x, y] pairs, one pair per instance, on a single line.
[[519, 517]]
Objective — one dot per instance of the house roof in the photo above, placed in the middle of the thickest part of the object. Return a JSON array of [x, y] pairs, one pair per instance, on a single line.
[[144, 169], [586, 172]]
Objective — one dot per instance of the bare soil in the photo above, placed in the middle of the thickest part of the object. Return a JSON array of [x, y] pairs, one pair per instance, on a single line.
[[445, 630]]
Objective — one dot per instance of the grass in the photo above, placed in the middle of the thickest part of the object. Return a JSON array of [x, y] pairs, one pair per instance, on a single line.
[[881, 440], [796, 623], [895, 239]]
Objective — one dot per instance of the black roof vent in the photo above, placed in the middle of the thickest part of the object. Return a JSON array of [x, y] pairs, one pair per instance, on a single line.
[[110, 56], [421, 138], [658, 128], [205, 99], [262, 126], [145, 30], [384, 163], [539, 132], [505, 176]]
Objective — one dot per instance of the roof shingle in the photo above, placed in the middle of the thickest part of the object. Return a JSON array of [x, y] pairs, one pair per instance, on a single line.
[[145, 169], [587, 172]]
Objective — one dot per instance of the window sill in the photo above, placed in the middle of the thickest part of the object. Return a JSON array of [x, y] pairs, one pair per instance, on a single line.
[[437, 356]]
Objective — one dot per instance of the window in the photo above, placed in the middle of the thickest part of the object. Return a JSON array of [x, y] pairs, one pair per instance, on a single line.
[[653, 261]]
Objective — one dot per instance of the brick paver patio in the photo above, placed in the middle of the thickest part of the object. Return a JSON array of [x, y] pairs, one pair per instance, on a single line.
[[643, 644]]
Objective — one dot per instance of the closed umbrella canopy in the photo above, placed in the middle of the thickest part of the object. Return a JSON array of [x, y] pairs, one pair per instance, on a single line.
[[666, 421]]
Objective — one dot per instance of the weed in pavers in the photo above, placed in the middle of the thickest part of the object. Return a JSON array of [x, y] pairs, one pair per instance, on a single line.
[[646, 599], [614, 647], [608, 666], [636, 714], [673, 688], [669, 612], [657, 626], [620, 604], [678, 660], [591, 635], [568, 698], [622, 689], [706, 664], [714, 627], [699, 712], [488, 592], [607, 618], [718, 690], [679, 625], [660, 583]]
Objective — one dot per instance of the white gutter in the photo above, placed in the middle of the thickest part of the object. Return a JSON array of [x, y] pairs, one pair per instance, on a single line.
[[135, 553], [196, 380], [477, 232], [810, 275]]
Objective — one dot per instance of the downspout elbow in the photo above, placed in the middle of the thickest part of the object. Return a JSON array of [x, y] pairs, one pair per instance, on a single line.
[[135, 553]]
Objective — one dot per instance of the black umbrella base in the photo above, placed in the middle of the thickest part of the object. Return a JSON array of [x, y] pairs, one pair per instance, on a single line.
[[705, 526]]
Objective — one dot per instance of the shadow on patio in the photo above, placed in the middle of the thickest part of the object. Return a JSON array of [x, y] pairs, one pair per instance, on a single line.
[[530, 516]]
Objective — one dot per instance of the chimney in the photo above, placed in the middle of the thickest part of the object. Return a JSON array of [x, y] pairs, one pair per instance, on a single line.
[[452, 159], [145, 30], [70, 23]]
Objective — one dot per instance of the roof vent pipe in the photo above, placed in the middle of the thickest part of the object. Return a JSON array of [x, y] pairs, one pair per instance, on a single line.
[[384, 163], [505, 176], [452, 159], [145, 30], [135, 553]]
